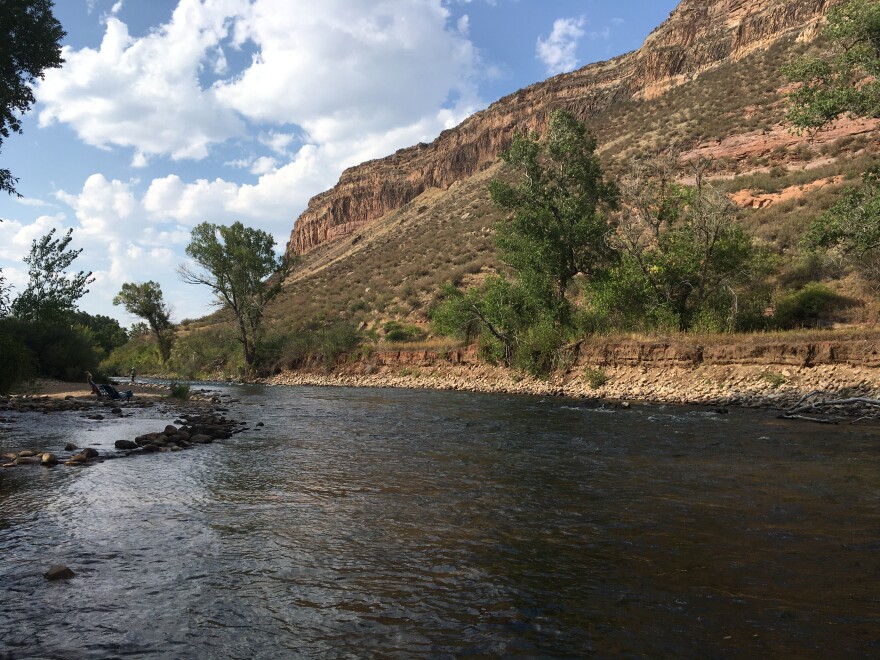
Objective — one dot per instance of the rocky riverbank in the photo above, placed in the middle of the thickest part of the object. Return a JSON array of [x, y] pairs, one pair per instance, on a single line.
[[774, 374], [198, 420]]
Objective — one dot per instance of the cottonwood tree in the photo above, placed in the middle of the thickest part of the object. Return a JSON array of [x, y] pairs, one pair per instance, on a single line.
[[683, 253], [557, 202], [241, 269], [851, 228], [51, 293], [846, 80], [146, 301], [558, 207], [30, 43]]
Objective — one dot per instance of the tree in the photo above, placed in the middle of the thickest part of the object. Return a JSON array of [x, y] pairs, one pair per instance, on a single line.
[[558, 207], [30, 39], [146, 301], [242, 271], [847, 80], [852, 227], [52, 293], [107, 332], [684, 254]]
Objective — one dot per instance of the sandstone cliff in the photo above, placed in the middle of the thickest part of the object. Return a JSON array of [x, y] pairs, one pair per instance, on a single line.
[[698, 36]]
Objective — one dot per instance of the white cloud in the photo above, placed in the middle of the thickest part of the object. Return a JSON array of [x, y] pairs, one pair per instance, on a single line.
[[105, 209], [145, 93], [340, 68], [264, 165], [559, 51], [277, 141], [30, 201], [16, 237]]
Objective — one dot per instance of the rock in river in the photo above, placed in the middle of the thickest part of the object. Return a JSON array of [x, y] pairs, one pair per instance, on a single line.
[[126, 444], [59, 572]]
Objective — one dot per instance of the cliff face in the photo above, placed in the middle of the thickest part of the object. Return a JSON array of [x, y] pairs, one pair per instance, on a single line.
[[698, 36]]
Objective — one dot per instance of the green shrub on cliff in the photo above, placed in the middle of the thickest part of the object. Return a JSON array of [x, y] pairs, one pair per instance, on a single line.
[[807, 307]]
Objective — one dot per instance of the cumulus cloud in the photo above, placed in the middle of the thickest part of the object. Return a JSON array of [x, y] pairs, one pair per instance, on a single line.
[[340, 68], [16, 237], [336, 69], [145, 93], [559, 51]]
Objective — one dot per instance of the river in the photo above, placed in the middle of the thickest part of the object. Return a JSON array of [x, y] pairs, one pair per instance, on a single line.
[[401, 523]]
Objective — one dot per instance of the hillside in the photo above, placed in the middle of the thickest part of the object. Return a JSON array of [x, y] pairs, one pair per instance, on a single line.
[[380, 243]]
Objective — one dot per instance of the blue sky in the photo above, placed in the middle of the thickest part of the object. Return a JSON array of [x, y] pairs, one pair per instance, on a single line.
[[168, 113]]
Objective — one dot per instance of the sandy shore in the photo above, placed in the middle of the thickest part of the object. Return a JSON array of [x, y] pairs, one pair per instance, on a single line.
[[56, 389]]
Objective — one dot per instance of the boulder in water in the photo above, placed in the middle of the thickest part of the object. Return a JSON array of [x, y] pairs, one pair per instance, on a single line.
[[48, 458], [59, 572], [70, 447], [125, 444]]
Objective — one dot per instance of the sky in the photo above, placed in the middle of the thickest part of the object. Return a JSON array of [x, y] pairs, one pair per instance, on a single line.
[[168, 113]]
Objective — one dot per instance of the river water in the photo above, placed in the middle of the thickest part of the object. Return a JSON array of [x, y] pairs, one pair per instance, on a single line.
[[398, 523]]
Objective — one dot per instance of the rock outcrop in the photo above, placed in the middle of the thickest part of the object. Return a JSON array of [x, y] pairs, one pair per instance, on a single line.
[[698, 36]]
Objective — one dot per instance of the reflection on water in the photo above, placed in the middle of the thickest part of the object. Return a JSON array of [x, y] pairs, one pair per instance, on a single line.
[[401, 523]]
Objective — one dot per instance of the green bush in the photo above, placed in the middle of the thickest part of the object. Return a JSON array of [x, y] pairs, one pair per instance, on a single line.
[[814, 303], [141, 352], [538, 351], [596, 378], [398, 332], [56, 350], [207, 354], [180, 391]]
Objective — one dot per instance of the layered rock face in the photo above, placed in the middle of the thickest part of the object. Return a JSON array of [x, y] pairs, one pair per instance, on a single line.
[[699, 35]]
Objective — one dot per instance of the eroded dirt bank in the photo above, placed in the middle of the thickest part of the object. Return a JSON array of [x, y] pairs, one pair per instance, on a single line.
[[755, 372]]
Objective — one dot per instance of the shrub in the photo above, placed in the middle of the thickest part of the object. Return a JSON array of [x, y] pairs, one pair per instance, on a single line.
[[18, 361], [180, 391], [538, 352], [596, 378], [807, 307], [775, 379], [397, 332]]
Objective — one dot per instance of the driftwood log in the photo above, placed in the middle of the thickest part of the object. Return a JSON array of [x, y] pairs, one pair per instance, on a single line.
[[827, 408]]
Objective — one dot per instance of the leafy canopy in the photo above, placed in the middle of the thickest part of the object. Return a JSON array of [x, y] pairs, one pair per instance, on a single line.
[[241, 269], [847, 80], [52, 293], [683, 255], [852, 227], [146, 301], [30, 38], [557, 204]]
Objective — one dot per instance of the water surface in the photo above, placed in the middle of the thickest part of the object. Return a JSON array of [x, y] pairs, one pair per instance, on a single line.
[[400, 523]]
